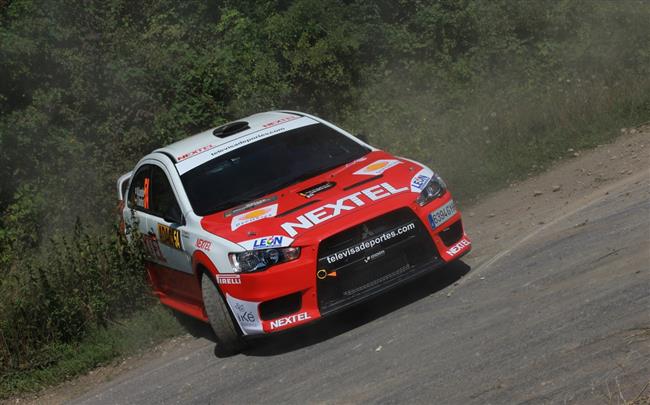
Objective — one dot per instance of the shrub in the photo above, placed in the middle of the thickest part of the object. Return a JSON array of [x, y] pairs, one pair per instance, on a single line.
[[76, 283]]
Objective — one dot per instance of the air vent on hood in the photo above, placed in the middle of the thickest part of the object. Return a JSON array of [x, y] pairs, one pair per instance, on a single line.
[[318, 188], [231, 128], [357, 184]]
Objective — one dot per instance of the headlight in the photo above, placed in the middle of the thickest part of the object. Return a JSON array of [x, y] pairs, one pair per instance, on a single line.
[[434, 189], [256, 260]]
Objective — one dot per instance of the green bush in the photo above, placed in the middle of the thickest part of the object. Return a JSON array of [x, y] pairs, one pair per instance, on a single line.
[[77, 283]]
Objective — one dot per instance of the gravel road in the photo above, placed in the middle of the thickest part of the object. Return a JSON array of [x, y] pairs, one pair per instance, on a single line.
[[553, 305]]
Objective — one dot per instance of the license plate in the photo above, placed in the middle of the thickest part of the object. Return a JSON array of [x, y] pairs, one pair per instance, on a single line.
[[442, 214]]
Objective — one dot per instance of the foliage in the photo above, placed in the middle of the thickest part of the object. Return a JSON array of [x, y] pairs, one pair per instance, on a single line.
[[139, 332], [75, 284]]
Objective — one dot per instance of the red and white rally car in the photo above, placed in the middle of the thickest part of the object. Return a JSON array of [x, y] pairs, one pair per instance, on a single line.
[[280, 218]]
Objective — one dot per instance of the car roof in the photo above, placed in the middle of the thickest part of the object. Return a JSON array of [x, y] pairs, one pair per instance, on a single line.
[[190, 146]]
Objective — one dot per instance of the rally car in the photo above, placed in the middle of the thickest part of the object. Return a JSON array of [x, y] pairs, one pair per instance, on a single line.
[[280, 218]]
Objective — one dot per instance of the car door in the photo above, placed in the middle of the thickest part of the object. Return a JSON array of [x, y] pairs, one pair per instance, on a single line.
[[166, 222], [136, 215]]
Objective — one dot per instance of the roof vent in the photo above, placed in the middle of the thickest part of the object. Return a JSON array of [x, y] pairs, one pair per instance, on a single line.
[[231, 128]]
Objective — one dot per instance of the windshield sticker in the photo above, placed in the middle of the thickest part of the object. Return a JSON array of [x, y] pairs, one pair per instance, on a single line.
[[249, 205], [312, 191], [195, 152], [252, 216], [347, 203], [280, 121], [378, 167], [420, 180], [267, 242], [198, 159]]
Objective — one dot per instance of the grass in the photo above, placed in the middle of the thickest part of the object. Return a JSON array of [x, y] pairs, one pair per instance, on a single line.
[[495, 139], [139, 332]]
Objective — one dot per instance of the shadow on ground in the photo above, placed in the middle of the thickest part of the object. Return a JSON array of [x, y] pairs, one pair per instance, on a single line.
[[358, 315], [341, 322]]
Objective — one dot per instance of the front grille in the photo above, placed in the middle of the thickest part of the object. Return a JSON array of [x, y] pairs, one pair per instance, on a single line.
[[371, 257]]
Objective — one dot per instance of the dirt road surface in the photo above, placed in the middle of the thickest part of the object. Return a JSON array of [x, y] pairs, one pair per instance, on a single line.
[[552, 306]]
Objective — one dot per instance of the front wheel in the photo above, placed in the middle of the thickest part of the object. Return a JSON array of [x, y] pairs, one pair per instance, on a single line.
[[229, 339]]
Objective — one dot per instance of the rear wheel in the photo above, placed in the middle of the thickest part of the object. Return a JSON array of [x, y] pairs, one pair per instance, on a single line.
[[228, 336]]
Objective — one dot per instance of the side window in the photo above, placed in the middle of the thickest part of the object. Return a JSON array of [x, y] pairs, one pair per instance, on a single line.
[[139, 190], [162, 202]]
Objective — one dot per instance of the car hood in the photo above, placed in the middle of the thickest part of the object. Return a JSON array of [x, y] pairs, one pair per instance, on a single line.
[[278, 218]]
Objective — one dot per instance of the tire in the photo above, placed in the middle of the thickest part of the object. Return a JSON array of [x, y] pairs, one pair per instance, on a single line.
[[227, 333]]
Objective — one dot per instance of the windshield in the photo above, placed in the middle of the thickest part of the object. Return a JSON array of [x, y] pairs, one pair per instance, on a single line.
[[266, 166]]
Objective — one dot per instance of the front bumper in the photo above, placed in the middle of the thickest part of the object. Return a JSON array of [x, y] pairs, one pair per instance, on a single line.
[[324, 280]]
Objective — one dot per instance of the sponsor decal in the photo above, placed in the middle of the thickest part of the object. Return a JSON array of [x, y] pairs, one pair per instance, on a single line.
[[267, 242], [378, 167], [280, 121], [203, 244], [170, 236], [312, 191], [420, 180], [453, 251], [199, 158], [249, 205], [347, 203], [152, 248], [246, 314], [252, 216], [442, 214], [288, 320], [374, 256], [228, 279], [246, 141], [195, 152], [361, 247]]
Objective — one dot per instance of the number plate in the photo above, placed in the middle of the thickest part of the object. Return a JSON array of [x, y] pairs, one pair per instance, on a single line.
[[442, 214]]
